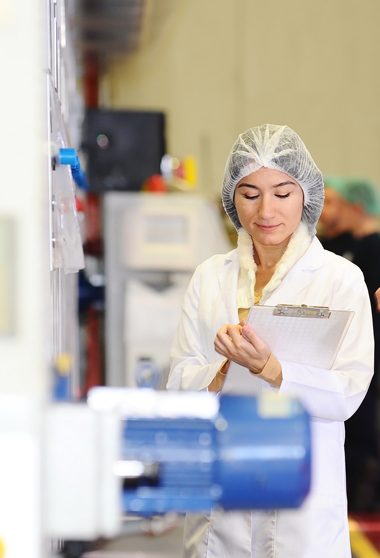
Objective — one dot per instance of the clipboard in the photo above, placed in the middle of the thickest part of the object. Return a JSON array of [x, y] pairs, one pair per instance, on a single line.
[[303, 334]]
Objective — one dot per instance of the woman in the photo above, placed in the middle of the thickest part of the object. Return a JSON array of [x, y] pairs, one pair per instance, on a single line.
[[273, 193]]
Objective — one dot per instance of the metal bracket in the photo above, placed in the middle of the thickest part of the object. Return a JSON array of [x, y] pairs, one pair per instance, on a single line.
[[302, 311]]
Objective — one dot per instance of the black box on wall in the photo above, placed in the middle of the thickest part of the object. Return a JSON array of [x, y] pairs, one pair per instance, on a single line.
[[123, 148]]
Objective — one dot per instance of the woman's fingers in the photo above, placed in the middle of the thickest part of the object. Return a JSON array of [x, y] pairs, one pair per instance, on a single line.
[[241, 344], [222, 342], [234, 331], [220, 347], [228, 339], [250, 335]]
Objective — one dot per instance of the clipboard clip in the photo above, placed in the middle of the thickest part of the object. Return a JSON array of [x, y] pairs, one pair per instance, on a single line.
[[301, 311]]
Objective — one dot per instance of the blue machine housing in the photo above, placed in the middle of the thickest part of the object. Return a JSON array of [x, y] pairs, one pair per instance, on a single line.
[[254, 454]]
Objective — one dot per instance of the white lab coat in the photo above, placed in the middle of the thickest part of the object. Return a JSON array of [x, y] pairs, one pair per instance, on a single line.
[[320, 527]]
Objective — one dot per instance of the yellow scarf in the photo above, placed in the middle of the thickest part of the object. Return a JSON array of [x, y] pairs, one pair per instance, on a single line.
[[298, 244]]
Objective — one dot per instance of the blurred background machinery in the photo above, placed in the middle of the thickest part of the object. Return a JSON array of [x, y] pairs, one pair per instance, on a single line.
[[152, 245]]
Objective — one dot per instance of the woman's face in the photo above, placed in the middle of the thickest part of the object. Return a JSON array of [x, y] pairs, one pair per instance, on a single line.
[[269, 204]]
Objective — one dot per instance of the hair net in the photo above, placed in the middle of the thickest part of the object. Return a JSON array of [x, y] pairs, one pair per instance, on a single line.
[[279, 148], [357, 190]]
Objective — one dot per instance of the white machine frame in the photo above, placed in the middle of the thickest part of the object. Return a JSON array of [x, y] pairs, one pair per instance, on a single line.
[[157, 240], [36, 297]]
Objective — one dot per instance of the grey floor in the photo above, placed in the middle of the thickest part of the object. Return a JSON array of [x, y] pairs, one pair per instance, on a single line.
[[165, 545]]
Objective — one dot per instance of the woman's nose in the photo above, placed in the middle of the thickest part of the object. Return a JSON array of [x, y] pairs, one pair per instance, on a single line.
[[266, 209]]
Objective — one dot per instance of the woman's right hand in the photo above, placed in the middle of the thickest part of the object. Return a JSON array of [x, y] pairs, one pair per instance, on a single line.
[[242, 345]]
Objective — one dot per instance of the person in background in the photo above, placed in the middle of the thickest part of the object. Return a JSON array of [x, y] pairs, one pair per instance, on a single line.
[[350, 214], [273, 193], [331, 233]]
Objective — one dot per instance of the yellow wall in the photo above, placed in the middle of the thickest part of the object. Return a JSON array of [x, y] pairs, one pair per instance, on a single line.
[[219, 66]]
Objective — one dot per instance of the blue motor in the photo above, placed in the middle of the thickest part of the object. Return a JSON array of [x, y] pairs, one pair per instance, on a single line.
[[263, 453], [193, 451]]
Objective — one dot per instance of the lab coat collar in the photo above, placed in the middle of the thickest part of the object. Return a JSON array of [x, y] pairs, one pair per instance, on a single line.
[[228, 278], [312, 259]]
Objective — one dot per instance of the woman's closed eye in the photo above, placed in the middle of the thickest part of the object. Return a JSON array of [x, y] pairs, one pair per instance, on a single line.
[[255, 197]]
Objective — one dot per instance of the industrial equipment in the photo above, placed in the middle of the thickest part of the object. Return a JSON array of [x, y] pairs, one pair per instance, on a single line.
[[153, 243], [193, 451]]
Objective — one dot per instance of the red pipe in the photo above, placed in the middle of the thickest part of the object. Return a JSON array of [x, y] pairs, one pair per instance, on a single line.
[[94, 343], [91, 80]]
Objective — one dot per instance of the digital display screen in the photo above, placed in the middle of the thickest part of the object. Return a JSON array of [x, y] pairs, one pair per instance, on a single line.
[[165, 229]]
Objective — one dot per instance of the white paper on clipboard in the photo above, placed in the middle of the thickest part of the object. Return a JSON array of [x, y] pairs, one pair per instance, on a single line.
[[303, 334]]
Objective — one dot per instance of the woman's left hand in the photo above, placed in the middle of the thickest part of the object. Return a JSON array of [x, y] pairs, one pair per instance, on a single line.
[[241, 344]]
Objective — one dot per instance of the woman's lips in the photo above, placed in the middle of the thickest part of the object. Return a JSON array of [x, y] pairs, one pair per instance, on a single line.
[[267, 228]]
